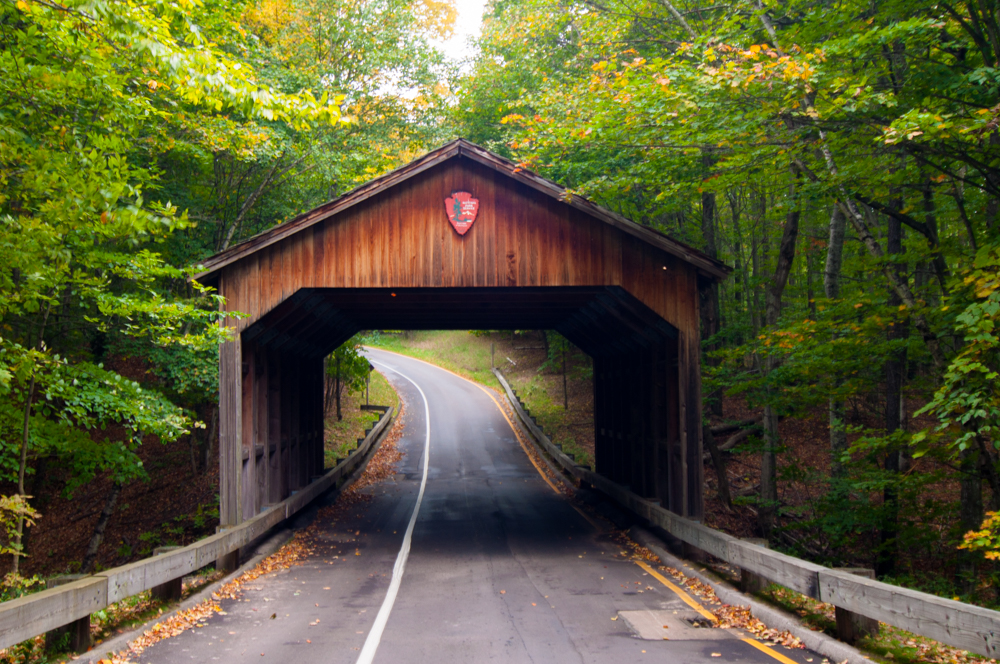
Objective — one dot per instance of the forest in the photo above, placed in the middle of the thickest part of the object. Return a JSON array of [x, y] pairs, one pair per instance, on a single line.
[[842, 156]]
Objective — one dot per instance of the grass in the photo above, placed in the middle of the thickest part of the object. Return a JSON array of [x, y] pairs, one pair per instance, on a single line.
[[546, 405], [456, 350], [342, 436], [468, 355]]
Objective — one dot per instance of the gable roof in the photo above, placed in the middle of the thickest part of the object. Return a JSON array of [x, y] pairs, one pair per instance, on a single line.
[[462, 148]]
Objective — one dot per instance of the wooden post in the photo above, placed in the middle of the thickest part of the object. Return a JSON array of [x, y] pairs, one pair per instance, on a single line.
[[227, 562], [248, 452], [171, 590], [751, 583], [285, 421], [602, 454], [294, 386], [78, 630], [675, 428], [853, 626], [650, 406], [230, 431], [695, 447], [260, 432], [319, 415], [638, 394], [273, 430], [617, 442]]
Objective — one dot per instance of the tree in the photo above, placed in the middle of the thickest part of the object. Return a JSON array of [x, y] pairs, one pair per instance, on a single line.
[[346, 369], [91, 94]]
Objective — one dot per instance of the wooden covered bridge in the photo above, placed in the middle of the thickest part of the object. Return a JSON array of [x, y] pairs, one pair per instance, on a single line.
[[461, 239]]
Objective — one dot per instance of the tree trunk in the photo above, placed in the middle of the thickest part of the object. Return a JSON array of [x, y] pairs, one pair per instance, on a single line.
[[888, 552], [565, 391], [22, 467], [970, 517], [192, 449], [768, 508], [102, 522], [336, 391], [210, 434], [720, 467], [25, 437], [831, 288], [710, 293], [901, 288]]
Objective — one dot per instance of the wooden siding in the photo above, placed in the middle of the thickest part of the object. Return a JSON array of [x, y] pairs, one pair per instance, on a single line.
[[402, 239]]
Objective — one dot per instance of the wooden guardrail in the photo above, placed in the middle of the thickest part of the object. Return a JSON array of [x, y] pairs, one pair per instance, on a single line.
[[35, 614], [957, 624]]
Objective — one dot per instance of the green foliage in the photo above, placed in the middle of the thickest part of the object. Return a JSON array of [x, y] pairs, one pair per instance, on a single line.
[[14, 585], [986, 539], [93, 95], [349, 365], [12, 510], [967, 404]]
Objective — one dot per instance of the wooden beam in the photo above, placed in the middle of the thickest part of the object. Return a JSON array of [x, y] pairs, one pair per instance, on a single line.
[[230, 431]]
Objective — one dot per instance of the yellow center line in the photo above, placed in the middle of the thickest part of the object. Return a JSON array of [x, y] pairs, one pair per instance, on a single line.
[[773, 653], [517, 435], [690, 601], [520, 442]]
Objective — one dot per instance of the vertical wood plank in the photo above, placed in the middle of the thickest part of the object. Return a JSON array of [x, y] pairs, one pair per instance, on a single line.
[[261, 429], [248, 457], [230, 392]]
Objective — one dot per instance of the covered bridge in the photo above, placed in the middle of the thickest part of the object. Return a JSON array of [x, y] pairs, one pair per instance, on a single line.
[[461, 239]]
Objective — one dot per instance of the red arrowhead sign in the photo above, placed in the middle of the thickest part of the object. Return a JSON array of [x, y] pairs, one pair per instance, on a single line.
[[461, 208]]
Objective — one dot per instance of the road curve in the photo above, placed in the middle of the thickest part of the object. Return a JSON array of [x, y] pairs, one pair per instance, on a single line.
[[500, 567]]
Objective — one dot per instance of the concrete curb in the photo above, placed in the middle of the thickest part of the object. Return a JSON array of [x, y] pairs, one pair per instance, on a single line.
[[280, 536], [820, 643], [516, 421]]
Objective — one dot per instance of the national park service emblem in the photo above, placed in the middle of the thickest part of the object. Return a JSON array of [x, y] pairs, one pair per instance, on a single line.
[[461, 208]]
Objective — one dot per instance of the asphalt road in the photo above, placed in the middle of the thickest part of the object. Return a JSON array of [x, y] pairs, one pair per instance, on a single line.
[[500, 567]]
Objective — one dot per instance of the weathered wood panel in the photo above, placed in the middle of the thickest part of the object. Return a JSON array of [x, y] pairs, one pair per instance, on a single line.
[[406, 241], [38, 613], [962, 625]]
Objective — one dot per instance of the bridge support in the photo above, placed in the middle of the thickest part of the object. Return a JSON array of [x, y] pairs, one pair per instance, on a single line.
[[270, 427], [647, 423]]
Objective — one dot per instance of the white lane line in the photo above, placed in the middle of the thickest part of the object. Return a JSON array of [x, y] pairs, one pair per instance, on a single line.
[[375, 635]]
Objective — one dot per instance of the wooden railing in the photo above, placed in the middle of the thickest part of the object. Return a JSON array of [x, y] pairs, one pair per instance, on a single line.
[[35, 614], [957, 624]]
